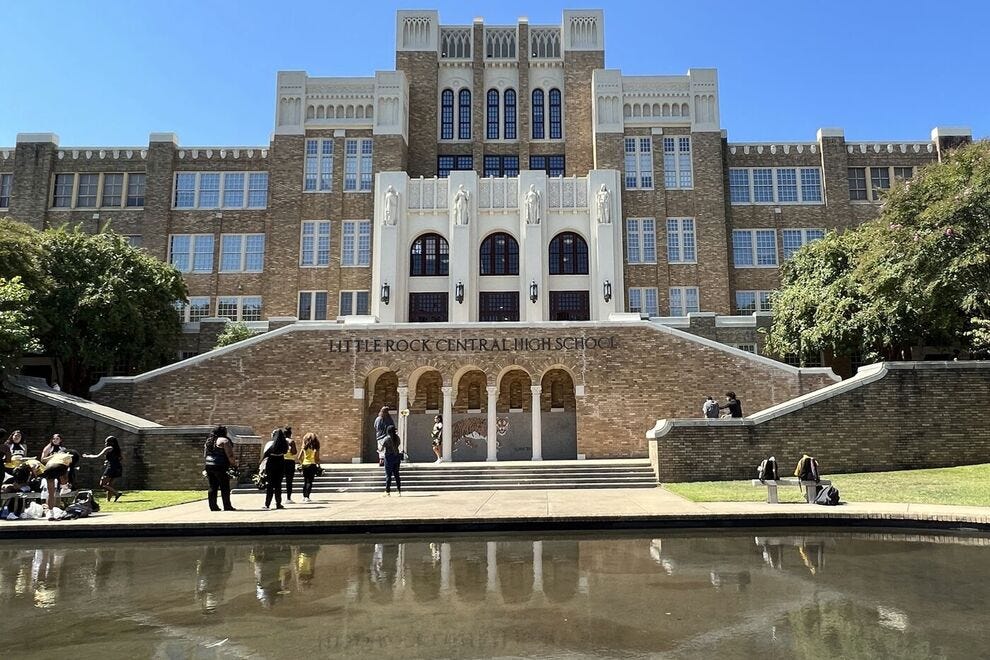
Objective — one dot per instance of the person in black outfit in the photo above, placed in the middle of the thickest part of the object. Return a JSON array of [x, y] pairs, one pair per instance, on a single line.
[[274, 457], [393, 458], [112, 466], [733, 405], [218, 457]]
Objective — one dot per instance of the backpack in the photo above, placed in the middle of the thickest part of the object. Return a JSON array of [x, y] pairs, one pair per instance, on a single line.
[[828, 495], [807, 469], [767, 471]]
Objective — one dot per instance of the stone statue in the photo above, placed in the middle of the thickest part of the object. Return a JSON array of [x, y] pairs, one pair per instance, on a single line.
[[462, 213], [391, 206], [532, 207], [604, 199]]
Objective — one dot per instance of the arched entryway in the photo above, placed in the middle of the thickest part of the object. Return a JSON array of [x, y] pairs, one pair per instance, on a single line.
[[425, 403], [558, 415], [381, 389], [469, 418], [513, 415]]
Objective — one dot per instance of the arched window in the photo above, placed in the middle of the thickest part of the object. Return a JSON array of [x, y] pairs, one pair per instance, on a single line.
[[429, 256], [538, 114], [447, 115], [568, 254], [509, 114], [555, 118], [499, 255], [492, 132], [464, 114]]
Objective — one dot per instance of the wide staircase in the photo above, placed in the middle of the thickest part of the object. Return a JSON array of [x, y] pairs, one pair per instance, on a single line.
[[509, 475]]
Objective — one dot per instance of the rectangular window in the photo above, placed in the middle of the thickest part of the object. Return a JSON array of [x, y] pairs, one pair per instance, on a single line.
[[552, 165], [879, 180], [643, 300], [185, 190], [680, 241], [239, 308], [904, 173], [498, 306], [749, 348], [113, 190], [499, 166], [6, 183], [739, 185], [233, 190], [319, 166], [754, 247], [448, 164], [62, 198], [134, 240], [639, 163], [355, 302], [209, 190], [197, 309], [683, 300], [641, 240], [312, 306], [314, 243], [191, 253], [748, 302], [355, 245], [257, 190], [793, 239], [811, 185], [135, 190], [89, 184], [357, 164], [787, 190], [763, 184], [677, 172], [857, 183], [242, 253]]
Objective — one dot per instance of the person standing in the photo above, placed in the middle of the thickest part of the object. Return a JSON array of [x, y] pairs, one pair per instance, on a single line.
[[310, 460], [710, 408], [274, 453], [290, 463], [436, 437], [393, 458], [382, 422], [732, 404], [112, 467], [218, 457], [56, 467]]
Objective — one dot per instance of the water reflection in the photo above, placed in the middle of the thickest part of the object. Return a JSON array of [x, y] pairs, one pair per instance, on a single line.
[[682, 595]]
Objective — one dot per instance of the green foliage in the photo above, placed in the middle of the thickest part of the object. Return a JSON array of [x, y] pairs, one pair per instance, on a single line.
[[20, 253], [17, 335], [917, 274], [233, 333]]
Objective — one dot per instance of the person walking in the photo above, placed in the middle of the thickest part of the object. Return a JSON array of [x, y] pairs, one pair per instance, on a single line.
[[710, 408], [218, 457], [290, 463], [382, 422], [436, 437], [310, 460], [274, 454], [112, 466], [732, 404], [391, 448]]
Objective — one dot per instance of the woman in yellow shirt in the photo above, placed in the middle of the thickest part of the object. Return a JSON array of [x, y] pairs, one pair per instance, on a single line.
[[310, 460]]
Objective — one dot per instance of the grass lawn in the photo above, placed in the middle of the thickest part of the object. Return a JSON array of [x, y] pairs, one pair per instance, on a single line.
[[144, 500], [968, 486]]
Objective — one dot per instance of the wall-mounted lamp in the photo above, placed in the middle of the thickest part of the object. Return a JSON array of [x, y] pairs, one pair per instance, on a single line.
[[459, 292], [534, 291], [386, 293], [607, 290]]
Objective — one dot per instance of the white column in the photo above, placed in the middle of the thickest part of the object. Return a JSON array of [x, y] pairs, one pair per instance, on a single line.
[[491, 583], [448, 423], [537, 424], [444, 568], [403, 404], [492, 438], [538, 566]]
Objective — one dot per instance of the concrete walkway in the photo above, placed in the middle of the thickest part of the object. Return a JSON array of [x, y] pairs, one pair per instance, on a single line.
[[493, 511]]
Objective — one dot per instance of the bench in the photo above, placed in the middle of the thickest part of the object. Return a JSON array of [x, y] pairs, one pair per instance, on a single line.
[[809, 488], [34, 495]]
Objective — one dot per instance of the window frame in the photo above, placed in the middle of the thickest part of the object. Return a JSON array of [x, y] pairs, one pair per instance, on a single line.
[[537, 114], [638, 300], [240, 302], [555, 114], [464, 114], [761, 301], [458, 160], [242, 251], [494, 265], [318, 166], [492, 119], [754, 248], [494, 165], [639, 243], [489, 310], [312, 296], [356, 232], [361, 179], [6, 189], [577, 255], [763, 186], [686, 243], [438, 257], [547, 167], [353, 295], [316, 249], [509, 116], [447, 114], [185, 309], [803, 239], [682, 296], [225, 190], [634, 160], [194, 240], [675, 175]]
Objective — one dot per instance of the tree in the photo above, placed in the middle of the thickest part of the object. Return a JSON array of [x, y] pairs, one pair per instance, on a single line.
[[233, 333], [107, 304], [20, 253], [17, 335], [917, 274]]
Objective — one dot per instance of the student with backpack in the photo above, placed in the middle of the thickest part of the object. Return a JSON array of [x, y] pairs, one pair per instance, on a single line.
[[274, 457], [393, 458], [218, 458]]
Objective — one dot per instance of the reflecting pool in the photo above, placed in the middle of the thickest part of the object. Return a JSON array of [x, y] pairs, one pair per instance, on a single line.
[[814, 594]]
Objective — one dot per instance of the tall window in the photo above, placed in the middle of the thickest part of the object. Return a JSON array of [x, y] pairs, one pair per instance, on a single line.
[[191, 253], [448, 164], [641, 240], [319, 166], [509, 114], [89, 184], [209, 190], [135, 190], [242, 253], [62, 197], [355, 243], [233, 189], [556, 129], [6, 182], [643, 300], [538, 132], [568, 254], [754, 248], [680, 241], [355, 302], [447, 115], [312, 306], [787, 188], [552, 165], [857, 183], [239, 308], [677, 171], [811, 184], [113, 190], [464, 114], [491, 131], [499, 255], [639, 162], [314, 243], [429, 256], [879, 180], [357, 164], [227, 190], [748, 302], [763, 184], [793, 239], [501, 166], [739, 185], [683, 300]]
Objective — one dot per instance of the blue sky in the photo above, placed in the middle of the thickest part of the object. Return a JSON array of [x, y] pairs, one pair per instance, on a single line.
[[108, 73]]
